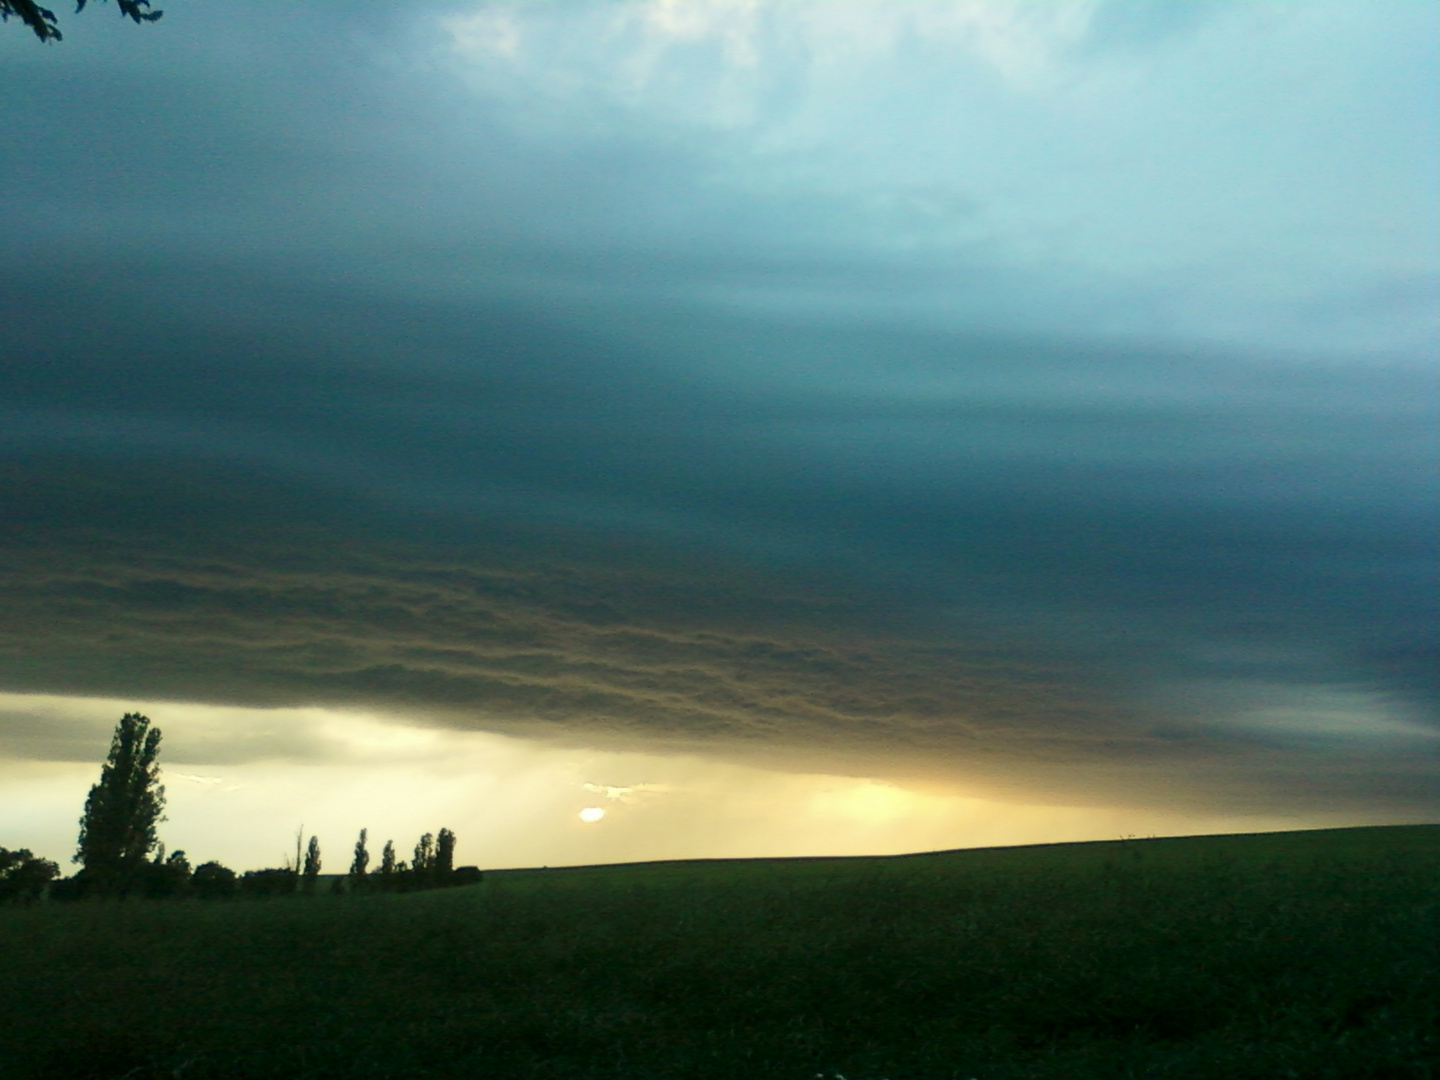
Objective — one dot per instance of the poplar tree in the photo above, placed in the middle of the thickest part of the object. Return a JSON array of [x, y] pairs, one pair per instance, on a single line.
[[424, 856], [444, 854], [361, 862], [312, 864], [122, 811]]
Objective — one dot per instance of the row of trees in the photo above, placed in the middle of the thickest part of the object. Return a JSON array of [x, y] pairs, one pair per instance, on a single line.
[[433, 865], [121, 854]]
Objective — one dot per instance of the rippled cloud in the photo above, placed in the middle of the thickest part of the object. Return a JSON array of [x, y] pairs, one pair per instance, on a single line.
[[1038, 397]]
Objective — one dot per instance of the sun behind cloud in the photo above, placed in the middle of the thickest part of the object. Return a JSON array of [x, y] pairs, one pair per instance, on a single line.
[[592, 814]]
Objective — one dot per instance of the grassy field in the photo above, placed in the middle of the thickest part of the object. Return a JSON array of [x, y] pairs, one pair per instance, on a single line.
[[1299, 955]]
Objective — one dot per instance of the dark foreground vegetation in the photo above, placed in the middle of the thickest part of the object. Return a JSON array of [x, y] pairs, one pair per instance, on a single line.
[[1303, 955]]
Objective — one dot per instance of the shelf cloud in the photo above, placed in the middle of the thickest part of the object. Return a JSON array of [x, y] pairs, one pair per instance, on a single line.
[[1034, 397]]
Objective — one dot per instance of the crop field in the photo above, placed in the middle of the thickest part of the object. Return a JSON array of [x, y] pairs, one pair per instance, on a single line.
[[1294, 955]]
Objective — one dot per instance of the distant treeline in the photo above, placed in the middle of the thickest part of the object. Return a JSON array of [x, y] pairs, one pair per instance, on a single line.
[[165, 878], [122, 857]]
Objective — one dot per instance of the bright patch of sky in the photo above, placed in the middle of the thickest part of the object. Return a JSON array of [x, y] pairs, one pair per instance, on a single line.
[[515, 802], [1238, 173]]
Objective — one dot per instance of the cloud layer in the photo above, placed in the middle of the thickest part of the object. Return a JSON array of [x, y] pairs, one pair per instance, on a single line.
[[1037, 395]]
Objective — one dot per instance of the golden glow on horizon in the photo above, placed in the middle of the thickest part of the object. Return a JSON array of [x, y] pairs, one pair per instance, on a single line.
[[239, 781]]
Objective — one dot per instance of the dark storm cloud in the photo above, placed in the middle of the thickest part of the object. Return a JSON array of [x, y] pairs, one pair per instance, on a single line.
[[413, 405], [465, 511]]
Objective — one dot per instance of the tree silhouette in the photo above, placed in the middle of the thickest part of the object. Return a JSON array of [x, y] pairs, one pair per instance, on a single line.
[[24, 875], [42, 20], [444, 854], [122, 810], [387, 859], [424, 856], [165, 877], [361, 861], [312, 864], [212, 881]]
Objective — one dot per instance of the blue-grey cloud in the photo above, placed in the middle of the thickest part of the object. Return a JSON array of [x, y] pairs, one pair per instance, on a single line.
[[654, 386]]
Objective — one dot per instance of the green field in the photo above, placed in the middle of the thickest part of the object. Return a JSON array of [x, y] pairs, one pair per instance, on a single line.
[[1301, 955]]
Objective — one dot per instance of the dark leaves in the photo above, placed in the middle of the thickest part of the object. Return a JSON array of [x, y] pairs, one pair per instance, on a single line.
[[42, 20]]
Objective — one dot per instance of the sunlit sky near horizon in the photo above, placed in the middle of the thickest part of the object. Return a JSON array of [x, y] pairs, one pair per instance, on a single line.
[[787, 426], [522, 803]]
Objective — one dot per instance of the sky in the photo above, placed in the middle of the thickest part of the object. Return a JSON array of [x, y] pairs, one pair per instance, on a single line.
[[790, 427]]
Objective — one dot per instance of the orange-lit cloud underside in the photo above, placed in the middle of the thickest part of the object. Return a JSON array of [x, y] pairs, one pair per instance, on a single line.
[[617, 660]]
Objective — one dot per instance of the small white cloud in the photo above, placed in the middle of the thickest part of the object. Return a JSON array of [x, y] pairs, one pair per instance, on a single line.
[[208, 781], [608, 790], [628, 793]]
